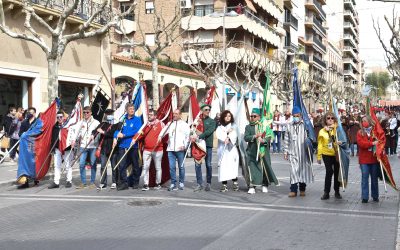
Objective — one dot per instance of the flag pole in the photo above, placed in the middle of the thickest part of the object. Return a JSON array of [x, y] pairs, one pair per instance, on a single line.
[[383, 175], [105, 166], [340, 162], [45, 160], [8, 151]]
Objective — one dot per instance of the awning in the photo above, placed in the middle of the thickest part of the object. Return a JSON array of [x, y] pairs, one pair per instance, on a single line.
[[250, 5]]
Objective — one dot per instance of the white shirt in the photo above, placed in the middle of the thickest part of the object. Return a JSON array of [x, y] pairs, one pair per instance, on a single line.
[[178, 135], [393, 123], [83, 131], [278, 123]]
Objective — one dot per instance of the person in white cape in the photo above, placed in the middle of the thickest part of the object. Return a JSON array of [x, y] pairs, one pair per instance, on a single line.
[[228, 156]]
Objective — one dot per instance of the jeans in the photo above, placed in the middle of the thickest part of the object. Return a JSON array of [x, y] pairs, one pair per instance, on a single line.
[[366, 171], [172, 157], [113, 161], [276, 142], [332, 168], [132, 157], [156, 156], [82, 164], [295, 186], [199, 174], [352, 145], [14, 151]]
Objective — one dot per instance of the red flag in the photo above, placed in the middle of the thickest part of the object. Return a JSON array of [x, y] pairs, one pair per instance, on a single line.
[[74, 118], [42, 145], [379, 134], [164, 114], [210, 95], [199, 147]]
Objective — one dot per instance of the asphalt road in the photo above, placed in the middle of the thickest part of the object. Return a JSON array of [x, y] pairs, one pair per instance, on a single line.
[[38, 218]]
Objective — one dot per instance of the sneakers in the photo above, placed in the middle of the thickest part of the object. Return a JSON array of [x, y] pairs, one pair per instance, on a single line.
[[145, 188], [338, 196], [157, 187], [364, 201], [81, 186], [264, 189], [123, 186], [53, 185], [292, 194], [235, 186], [68, 184], [252, 190], [224, 188], [375, 199], [325, 196], [172, 187], [208, 187], [114, 186], [181, 186], [302, 193], [198, 188], [92, 185]]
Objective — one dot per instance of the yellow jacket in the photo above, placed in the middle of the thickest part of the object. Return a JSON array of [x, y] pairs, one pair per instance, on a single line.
[[325, 144]]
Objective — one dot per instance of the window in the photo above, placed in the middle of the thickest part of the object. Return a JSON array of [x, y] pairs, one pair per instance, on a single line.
[[203, 10], [149, 7], [125, 7], [150, 39]]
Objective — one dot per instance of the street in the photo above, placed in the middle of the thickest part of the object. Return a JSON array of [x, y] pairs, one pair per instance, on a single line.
[[38, 218]]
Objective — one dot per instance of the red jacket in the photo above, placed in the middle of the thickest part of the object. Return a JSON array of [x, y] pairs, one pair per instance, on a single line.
[[150, 133], [365, 152]]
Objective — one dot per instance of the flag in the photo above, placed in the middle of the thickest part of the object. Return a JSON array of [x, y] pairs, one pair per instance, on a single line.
[[241, 120], [165, 115], [379, 134], [298, 101], [34, 149], [120, 112], [265, 128], [199, 147], [342, 150], [73, 119], [139, 100], [99, 105], [210, 95]]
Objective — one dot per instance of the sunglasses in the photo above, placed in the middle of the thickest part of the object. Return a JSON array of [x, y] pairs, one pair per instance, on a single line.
[[86, 112], [254, 116], [59, 116], [330, 118], [206, 109]]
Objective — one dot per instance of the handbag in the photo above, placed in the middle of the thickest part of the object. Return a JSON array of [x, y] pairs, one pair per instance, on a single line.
[[5, 142]]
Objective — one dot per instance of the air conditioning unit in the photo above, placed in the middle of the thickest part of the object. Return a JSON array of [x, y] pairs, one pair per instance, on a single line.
[[186, 4]]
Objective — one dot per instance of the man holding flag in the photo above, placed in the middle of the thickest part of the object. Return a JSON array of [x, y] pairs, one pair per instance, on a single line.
[[208, 136]]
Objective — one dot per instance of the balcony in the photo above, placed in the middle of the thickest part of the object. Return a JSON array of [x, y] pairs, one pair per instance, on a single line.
[[315, 6], [349, 4], [348, 14], [271, 7], [84, 10], [316, 43], [348, 60], [303, 57], [247, 21], [349, 50], [349, 26], [318, 61], [237, 51], [348, 73], [315, 24], [290, 20], [350, 38], [289, 46]]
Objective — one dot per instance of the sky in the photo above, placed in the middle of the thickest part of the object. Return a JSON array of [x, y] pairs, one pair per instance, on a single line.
[[371, 50]]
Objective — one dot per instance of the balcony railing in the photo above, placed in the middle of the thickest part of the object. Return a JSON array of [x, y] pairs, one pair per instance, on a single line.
[[319, 61], [303, 57], [319, 25], [319, 7], [319, 43], [289, 18], [84, 10]]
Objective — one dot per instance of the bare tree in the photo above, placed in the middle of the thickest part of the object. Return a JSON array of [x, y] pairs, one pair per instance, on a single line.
[[391, 48], [166, 32], [59, 32]]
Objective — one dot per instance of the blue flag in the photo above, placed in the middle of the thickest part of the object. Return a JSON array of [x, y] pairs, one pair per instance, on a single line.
[[298, 101]]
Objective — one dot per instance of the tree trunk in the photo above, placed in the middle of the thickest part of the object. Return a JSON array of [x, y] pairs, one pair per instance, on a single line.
[[156, 95], [52, 82]]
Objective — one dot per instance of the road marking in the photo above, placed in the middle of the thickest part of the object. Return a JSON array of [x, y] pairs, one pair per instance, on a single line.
[[304, 210], [57, 199]]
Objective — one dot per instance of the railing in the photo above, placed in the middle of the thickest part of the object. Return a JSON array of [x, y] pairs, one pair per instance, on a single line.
[[319, 25], [319, 43], [84, 10], [319, 7], [319, 61], [303, 57], [289, 18]]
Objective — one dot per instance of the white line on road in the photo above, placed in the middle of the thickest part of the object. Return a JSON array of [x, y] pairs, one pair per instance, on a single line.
[[58, 199]]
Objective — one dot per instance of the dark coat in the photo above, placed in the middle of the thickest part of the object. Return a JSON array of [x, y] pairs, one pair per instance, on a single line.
[[107, 138], [25, 125], [55, 133], [9, 126]]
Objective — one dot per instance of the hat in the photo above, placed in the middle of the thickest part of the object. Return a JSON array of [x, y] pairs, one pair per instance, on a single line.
[[256, 111], [296, 110], [205, 105], [108, 111]]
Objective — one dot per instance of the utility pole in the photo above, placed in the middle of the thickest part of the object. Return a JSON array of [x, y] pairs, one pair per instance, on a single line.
[[224, 59]]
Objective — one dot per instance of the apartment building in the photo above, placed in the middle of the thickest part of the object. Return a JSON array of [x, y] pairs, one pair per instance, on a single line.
[[23, 65], [343, 29]]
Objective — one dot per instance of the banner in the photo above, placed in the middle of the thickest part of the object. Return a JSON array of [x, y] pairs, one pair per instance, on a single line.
[[99, 105]]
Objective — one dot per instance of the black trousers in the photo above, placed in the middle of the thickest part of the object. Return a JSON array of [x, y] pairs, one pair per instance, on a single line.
[[332, 168]]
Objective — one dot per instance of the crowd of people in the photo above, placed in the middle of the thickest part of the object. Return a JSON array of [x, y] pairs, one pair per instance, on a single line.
[[123, 144]]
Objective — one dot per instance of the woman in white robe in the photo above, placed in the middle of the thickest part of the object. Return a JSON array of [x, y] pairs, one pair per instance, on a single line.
[[228, 156]]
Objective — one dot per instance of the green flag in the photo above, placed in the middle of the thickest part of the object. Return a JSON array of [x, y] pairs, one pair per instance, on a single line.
[[266, 115]]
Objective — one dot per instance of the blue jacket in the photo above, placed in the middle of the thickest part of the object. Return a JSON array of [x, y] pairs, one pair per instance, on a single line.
[[129, 128]]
